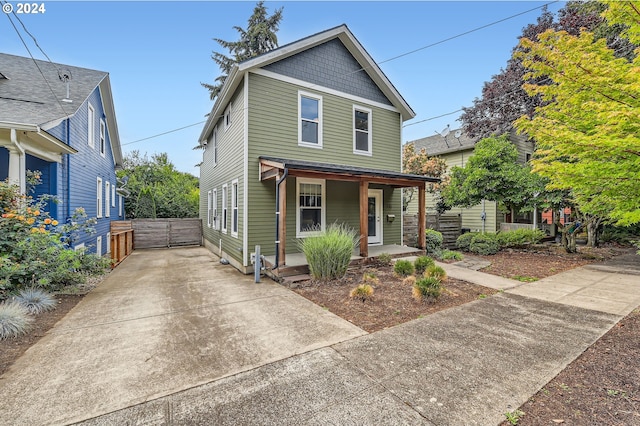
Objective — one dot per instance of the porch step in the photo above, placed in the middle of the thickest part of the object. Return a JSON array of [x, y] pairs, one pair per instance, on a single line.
[[292, 279]]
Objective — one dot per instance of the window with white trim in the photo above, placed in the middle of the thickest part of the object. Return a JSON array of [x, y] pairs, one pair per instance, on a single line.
[[361, 130], [99, 198], [224, 208], [209, 209], [108, 242], [107, 199], [214, 141], [103, 137], [216, 219], [99, 246], [234, 208], [113, 195], [227, 117], [309, 120], [310, 207], [120, 206], [91, 131]]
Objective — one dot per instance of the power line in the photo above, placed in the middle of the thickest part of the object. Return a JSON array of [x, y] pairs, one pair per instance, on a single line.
[[164, 133]]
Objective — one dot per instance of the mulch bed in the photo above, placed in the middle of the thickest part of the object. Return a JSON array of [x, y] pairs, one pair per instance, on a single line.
[[391, 303]]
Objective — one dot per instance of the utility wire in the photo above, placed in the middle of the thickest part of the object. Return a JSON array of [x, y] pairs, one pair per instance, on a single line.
[[165, 133]]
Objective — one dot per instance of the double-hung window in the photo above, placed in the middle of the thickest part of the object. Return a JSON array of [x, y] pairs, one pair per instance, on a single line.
[[107, 199], [361, 130], [91, 130], [214, 202], [103, 137], [227, 117], [310, 120], [99, 198], [310, 207], [214, 141], [234, 208], [224, 207], [209, 209]]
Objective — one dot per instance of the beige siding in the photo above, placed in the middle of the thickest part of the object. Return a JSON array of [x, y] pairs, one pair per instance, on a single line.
[[523, 145], [228, 168], [273, 131]]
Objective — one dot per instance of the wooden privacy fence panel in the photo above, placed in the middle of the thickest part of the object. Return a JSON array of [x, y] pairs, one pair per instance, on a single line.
[[448, 225], [121, 241], [156, 233]]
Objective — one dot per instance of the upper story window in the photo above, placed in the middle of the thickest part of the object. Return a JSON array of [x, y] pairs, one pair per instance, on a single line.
[[107, 199], [361, 130], [103, 137], [310, 206], [227, 117], [310, 120], [91, 131], [214, 141]]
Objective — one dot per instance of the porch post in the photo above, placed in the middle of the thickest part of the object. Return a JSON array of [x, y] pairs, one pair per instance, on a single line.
[[422, 216], [364, 218], [17, 170], [282, 223]]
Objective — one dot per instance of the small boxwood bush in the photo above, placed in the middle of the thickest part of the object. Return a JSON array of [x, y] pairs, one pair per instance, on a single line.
[[484, 244], [464, 241], [451, 255], [403, 267], [520, 237], [433, 242], [427, 287], [422, 263]]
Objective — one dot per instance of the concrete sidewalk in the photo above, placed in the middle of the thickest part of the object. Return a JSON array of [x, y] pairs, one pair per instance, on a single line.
[[466, 365]]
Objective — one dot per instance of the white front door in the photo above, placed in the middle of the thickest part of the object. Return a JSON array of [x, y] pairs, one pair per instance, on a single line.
[[374, 215]]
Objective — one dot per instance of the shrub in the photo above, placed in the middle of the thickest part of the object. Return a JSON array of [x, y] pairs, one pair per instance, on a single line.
[[422, 263], [14, 320], [484, 244], [451, 255], [363, 292], [433, 242], [427, 287], [403, 267], [370, 278], [384, 259], [329, 254], [409, 281], [520, 237], [436, 271], [464, 240], [35, 300]]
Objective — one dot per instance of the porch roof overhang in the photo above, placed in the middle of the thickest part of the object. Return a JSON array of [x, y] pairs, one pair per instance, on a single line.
[[270, 168]]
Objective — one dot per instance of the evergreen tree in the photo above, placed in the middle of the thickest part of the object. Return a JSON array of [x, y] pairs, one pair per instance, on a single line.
[[259, 37]]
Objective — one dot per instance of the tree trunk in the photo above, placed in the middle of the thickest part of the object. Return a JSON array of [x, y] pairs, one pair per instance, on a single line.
[[593, 232], [567, 238]]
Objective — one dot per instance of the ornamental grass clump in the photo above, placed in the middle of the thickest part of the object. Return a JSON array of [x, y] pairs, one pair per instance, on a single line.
[[363, 292], [436, 271], [14, 320], [422, 263], [403, 268], [35, 300], [427, 288], [370, 278], [329, 253]]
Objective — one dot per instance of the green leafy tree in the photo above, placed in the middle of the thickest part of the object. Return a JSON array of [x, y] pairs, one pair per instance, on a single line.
[[157, 189], [259, 37], [493, 173], [588, 132]]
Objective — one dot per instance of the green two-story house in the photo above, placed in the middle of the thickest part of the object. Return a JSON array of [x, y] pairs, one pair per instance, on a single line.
[[298, 138]]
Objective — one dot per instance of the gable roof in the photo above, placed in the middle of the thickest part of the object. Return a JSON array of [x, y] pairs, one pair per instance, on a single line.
[[438, 145], [342, 33], [26, 98]]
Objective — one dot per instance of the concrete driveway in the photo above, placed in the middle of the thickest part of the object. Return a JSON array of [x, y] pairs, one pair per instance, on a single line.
[[163, 321]]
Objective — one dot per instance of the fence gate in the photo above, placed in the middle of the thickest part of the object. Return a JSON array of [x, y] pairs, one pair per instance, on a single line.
[[157, 233]]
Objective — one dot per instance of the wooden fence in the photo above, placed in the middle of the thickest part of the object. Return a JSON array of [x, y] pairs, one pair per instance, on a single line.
[[448, 225], [121, 241], [156, 233]]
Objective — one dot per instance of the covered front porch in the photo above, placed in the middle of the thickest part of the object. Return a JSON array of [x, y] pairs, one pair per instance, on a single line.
[[278, 170]]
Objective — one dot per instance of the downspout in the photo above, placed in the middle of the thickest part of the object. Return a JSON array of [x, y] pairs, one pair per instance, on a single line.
[[21, 158], [278, 182], [68, 215]]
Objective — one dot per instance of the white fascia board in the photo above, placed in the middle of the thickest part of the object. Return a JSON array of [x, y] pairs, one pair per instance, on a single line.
[[224, 97], [112, 124]]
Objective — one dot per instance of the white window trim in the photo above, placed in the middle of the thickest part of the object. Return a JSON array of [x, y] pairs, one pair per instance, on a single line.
[[99, 246], [209, 209], [319, 99], [369, 133], [78, 247], [120, 205], [214, 140], [103, 138], [99, 198], [107, 199], [228, 117], [113, 195], [225, 208], [323, 208], [108, 242], [91, 131], [235, 213], [216, 220]]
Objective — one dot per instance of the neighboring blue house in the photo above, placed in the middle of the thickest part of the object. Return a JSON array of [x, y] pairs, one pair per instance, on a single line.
[[60, 120]]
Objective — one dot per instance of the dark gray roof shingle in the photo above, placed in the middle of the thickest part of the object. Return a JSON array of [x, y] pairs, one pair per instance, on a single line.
[[26, 97], [438, 145]]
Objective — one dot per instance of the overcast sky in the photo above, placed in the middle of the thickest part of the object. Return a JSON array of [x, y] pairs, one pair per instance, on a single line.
[[158, 52]]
